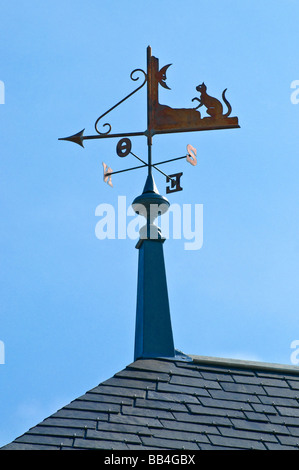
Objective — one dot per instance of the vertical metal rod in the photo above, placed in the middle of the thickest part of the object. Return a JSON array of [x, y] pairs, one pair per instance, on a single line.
[[149, 108], [149, 159]]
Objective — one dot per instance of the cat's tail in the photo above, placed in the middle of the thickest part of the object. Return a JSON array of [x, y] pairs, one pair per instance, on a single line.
[[229, 108]]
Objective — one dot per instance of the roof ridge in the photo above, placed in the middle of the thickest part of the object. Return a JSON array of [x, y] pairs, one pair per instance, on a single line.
[[244, 363]]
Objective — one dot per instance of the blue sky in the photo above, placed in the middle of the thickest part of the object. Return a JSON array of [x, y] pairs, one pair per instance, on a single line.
[[68, 300]]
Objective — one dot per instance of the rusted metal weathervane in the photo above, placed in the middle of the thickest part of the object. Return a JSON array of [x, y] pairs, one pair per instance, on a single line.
[[162, 119]]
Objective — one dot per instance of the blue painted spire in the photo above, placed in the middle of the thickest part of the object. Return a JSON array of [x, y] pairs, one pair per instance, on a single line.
[[153, 333]]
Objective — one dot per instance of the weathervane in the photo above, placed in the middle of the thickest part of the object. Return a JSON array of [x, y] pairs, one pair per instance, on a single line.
[[153, 331], [162, 119]]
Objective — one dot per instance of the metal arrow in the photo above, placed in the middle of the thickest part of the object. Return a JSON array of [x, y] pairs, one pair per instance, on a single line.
[[79, 137]]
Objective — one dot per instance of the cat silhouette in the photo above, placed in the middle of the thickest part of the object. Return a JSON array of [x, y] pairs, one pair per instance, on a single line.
[[213, 105]]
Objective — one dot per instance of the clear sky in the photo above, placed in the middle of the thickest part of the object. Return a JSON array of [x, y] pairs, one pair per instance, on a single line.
[[68, 299]]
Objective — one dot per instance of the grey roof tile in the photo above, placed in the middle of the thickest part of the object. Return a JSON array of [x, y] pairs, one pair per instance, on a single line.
[[169, 443], [172, 397], [233, 397], [213, 411], [261, 380], [279, 446], [294, 385], [180, 388], [136, 420], [132, 374], [109, 398], [216, 447], [122, 391], [222, 377], [172, 404], [274, 401], [80, 414], [223, 404], [59, 440], [147, 412], [93, 406], [282, 392], [160, 405], [262, 427], [180, 435], [235, 442], [287, 411], [193, 427], [95, 444], [286, 420], [116, 383], [58, 431], [263, 408], [140, 447], [225, 369], [185, 371], [281, 375], [123, 428], [194, 382], [243, 388], [154, 365], [113, 436], [289, 440], [249, 435], [70, 422], [294, 431], [19, 446], [253, 416], [191, 421]]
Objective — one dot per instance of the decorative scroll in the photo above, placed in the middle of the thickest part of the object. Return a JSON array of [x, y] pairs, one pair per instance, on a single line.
[[121, 101]]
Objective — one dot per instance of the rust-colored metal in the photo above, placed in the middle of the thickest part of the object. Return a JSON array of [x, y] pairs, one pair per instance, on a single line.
[[163, 119]]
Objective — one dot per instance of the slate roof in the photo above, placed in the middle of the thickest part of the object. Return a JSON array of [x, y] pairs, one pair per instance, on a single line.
[[203, 403]]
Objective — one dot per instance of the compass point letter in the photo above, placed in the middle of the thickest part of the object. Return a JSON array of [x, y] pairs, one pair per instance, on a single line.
[[107, 174]]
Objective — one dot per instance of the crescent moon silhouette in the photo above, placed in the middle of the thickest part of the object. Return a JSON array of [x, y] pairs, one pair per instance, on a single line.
[[162, 76]]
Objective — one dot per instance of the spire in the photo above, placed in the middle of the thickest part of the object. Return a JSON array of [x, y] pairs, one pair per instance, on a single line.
[[153, 333], [150, 186]]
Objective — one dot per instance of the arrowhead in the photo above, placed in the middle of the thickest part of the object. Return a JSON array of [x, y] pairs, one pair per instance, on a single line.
[[77, 138]]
